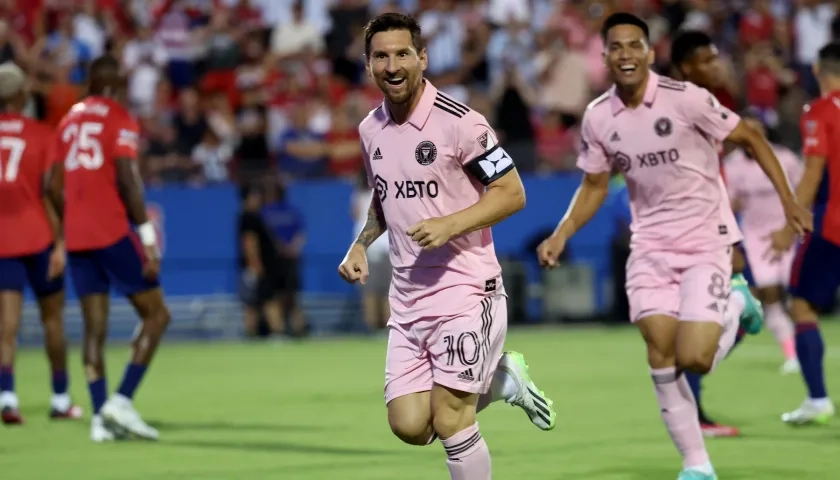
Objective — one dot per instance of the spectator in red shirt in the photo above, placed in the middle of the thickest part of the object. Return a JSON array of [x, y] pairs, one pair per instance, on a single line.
[[756, 24], [344, 149]]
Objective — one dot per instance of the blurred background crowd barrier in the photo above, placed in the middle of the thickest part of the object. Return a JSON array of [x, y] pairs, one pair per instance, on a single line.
[[240, 92]]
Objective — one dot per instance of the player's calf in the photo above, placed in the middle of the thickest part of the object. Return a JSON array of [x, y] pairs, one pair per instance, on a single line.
[[410, 418], [11, 304], [453, 417]]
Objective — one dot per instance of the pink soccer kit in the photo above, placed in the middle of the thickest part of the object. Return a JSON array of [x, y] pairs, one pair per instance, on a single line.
[[448, 311], [761, 212], [683, 226]]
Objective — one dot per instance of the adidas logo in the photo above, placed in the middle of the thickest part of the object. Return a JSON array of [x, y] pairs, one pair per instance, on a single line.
[[467, 375], [615, 137], [377, 155]]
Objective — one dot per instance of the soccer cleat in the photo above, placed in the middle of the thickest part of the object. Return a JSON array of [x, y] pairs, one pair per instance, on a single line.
[[790, 367], [11, 416], [715, 430], [528, 397], [810, 413], [752, 317], [691, 474], [75, 412], [99, 432], [120, 417]]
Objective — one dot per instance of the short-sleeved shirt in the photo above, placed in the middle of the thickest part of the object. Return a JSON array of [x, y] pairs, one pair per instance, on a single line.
[[667, 150], [27, 151], [283, 220], [821, 138], [761, 208], [92, 136], [435, 164]]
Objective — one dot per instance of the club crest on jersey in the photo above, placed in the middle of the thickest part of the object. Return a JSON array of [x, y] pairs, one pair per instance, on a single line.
[[623, 161], [482, 140], [381, 186], [154, 212], [663, 127], [810, 127], [425, 153]]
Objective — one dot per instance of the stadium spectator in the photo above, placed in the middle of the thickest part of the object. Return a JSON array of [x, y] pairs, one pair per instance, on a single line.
[[302, 151]]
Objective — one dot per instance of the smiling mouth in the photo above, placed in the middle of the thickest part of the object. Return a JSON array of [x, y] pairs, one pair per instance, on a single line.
[[627, 69], [396, 81]]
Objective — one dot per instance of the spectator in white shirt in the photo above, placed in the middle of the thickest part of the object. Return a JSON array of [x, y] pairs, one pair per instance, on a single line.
[[212, 157], [296, 37]]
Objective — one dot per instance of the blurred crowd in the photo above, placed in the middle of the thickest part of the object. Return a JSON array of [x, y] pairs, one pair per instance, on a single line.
[[227, 90]]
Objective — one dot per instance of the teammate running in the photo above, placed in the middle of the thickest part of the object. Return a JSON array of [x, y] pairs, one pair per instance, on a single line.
[[662, 133], [31, 245], [815, 276], [441, 180], [100, 190]]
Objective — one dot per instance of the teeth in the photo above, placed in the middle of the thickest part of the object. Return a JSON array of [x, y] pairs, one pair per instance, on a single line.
[[627, 68]]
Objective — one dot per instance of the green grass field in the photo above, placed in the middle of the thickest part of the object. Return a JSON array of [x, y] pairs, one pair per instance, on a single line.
[[314, 411]]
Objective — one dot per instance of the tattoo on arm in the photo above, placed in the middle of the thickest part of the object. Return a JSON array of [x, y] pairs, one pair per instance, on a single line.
[[375, 225], [131, 190]]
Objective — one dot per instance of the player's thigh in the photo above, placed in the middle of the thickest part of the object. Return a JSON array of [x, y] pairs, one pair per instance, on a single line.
[[453, 410], [49, 292], [814, 278], [88, 273], [123, 261], [410, 417], [149, 304], [464, 350], [12, 282], [659, 332]]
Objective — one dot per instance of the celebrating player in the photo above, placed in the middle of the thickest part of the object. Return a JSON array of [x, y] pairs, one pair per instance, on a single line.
[[752, 195], [816, 267], [102, 190], [695, 58], [441, 180], [662, 134], [31, 245]]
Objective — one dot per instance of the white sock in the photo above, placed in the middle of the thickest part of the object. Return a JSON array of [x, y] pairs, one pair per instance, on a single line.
[[8, 399], [706, 468], [503, 387], [820, 403], [737, 303], [60, 402]]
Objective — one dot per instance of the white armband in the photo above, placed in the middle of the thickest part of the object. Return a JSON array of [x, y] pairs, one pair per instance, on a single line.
[[147, 234]]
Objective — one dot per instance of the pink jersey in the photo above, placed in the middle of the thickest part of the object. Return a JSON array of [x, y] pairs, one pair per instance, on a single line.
[[761, 209], [435, 164], [667, 150]]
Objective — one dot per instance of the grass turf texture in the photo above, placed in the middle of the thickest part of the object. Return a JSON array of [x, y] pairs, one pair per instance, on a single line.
[[314, 411]]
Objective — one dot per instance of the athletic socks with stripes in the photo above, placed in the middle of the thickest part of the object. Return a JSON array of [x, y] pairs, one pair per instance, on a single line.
[[467, 455]]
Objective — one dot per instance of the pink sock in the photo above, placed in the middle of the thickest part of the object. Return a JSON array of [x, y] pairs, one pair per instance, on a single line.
[[679, 412], [778, 321], [728, 336], [468, 456]]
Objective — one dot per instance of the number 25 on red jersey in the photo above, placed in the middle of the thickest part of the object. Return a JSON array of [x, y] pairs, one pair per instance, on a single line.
[[86, 148]]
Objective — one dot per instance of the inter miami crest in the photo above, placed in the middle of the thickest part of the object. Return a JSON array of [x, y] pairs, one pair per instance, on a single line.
[[381, 187], [425, 153], [663, 127], [623, 161]]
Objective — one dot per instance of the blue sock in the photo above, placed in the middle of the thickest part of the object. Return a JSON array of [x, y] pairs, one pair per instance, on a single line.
[[59, 382], [694, 383], [131, 379], [810, 349], [98, 393], [7, 379]]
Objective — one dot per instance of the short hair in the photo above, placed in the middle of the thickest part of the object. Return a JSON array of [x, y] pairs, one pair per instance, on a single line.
[[623, 18], [12, 80], [686, 43], [104, 65], [393, 21], [829, 58]]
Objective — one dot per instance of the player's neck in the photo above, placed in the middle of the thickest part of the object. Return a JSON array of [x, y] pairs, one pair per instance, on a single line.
[[633, 96], [402, 112]]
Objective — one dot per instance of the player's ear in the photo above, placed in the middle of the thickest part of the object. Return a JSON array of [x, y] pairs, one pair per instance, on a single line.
[[651, 56], [816, 69], [424, 59], [367, 66]]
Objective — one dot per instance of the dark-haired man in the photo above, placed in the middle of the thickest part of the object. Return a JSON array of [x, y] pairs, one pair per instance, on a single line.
[[441, 180], [815, 276], [662, 134], [98, 186]]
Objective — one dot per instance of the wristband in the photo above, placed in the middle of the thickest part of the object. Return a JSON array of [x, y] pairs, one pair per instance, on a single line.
[[147, 234]]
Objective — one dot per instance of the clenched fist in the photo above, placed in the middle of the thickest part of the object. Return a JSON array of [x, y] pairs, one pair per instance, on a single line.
[[354, 267], [431, 233], [549, 251]]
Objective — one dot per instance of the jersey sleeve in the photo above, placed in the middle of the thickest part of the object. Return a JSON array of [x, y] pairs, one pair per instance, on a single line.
[[127, 139], [366, 160], [814, 134], [592, 157], [479, 151], [704, 111]]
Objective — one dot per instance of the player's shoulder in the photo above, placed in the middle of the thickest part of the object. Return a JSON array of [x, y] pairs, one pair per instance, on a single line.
[[819, 106], [453, 111], [373, 122], [599, 104]]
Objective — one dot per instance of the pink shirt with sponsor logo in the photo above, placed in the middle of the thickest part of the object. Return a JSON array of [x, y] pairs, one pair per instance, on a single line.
[[667, 150], [761, 209], [435, 164]]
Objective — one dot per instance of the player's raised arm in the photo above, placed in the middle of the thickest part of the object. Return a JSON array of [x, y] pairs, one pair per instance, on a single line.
[[588, 198]]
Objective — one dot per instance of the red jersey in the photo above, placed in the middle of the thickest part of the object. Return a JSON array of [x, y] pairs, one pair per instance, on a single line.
[[821, 138], [27, 150], [93, 135]]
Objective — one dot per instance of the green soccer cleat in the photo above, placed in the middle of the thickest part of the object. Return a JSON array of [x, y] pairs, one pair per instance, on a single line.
[[696, 475], [752, 318], [528, 397]]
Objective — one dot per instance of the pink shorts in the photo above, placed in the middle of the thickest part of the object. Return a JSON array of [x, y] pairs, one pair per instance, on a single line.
[[765, 272], [685, 286], [460, 352]]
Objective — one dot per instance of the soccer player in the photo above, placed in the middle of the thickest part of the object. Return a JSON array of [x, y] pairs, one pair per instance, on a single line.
[[662, 133], [441, 181], [762, 214], [815, 275], [695, 57], [99, 187], [31, 245]]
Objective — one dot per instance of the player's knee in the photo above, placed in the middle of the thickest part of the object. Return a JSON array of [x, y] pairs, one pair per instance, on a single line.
[[770, 295], [660, 354], [695, 360], [412, 428], [447, 421]]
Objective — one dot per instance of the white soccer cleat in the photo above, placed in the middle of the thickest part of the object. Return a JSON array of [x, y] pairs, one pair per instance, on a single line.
[[99, 432], [810, 413], [528, 397], [121, 417], [790, 367]]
